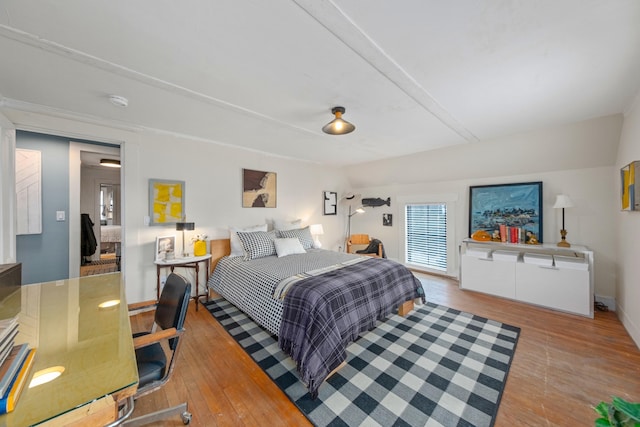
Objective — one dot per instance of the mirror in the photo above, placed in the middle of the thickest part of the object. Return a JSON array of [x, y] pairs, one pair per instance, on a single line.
[[110, 233], [109, 204]]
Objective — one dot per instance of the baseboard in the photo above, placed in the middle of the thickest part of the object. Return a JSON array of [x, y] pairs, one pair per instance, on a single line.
[[631, 328], [610, 302]]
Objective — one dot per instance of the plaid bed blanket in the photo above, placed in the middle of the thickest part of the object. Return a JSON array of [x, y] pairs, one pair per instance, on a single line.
[[323, 314]]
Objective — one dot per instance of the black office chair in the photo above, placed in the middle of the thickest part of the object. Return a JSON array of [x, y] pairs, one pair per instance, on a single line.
[[154, 370]]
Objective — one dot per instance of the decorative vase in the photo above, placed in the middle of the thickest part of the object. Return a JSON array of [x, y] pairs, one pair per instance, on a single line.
[[199, 248]]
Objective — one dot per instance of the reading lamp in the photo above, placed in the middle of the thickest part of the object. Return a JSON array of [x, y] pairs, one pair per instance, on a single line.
[[316, 230], [183, 226], [563, 201], [338, 126], [357, 211]]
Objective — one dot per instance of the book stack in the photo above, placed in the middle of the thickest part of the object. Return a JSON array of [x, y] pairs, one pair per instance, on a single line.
[[8, 332], [512, 234], [16, 362]]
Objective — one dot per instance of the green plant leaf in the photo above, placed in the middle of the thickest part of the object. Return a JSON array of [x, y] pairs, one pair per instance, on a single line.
[[631, 410], [602, 422], [602, 409]]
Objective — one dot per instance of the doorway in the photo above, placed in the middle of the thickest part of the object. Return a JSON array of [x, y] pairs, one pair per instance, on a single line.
[[101, 208]]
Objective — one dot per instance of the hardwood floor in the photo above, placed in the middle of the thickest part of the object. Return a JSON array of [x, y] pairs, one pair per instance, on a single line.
[[563, 365]]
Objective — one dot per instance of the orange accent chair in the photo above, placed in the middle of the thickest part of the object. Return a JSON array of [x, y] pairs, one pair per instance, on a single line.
[[358, 242]]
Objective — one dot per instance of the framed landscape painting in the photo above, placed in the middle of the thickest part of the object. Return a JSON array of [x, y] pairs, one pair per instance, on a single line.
[[516, 206]]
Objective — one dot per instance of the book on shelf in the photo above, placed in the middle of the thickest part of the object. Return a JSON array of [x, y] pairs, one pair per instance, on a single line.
[[11, 365], [11, 396]]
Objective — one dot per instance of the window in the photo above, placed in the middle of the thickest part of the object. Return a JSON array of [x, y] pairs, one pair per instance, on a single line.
[[426, 238]]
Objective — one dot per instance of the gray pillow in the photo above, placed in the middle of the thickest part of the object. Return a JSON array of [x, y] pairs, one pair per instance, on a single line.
[[301, 233], [257, 244]]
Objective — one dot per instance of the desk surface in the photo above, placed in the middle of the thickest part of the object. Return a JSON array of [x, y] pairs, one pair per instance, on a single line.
[[63, 322], [183, 260]]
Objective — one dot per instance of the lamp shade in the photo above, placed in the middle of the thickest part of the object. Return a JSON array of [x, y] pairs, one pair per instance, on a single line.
[[338, 126], [316, 229], [185, 226], [562, 201]]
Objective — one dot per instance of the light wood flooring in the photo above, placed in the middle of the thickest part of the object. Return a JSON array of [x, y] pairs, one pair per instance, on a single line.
[[563, 365]]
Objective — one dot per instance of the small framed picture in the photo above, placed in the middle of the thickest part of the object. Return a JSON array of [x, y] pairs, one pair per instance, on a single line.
[[329, 203], [165, 248], [387, 219]]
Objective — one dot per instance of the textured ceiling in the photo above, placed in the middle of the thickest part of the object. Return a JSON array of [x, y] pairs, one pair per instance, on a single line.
[[413, 75]]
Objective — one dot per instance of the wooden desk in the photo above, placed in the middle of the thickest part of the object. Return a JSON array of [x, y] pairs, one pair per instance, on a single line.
[[185, 262], [63, 322]]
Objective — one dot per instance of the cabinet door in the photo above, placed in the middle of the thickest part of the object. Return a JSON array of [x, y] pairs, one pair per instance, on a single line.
[[561, 289], [488, 276]]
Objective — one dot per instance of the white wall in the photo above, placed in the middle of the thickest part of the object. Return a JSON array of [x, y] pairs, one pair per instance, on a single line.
[[576, 160], [213, 176], [7, 191], [579, 160], [628, 232]]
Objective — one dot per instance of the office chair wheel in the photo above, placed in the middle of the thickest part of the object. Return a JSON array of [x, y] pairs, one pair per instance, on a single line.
[[186, 417]]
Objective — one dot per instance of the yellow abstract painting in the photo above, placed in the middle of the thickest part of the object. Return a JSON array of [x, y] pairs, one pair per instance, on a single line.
[[166, 201], [630, 192]]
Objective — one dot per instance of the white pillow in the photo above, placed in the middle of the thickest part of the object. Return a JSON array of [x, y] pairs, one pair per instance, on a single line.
[[287, 225], [288, 246], [302, 234], [236, 245]]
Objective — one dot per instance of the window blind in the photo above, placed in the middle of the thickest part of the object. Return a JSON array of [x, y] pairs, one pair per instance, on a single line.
[[426, 226]]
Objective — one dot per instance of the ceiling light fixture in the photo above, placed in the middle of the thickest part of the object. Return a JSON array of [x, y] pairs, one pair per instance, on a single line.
[[110, 163], [338, 126], [118, 101]]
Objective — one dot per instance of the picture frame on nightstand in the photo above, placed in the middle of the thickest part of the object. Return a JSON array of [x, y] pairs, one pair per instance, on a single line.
[[165, 248]]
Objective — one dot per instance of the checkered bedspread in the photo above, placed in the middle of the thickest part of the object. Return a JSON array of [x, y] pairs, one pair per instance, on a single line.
[[323, 314]]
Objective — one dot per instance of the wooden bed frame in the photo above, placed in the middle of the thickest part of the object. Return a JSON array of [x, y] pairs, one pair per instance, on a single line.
[[222, 247]]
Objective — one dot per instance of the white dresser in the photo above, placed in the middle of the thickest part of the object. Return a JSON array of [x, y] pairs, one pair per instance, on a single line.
[[544, 275]]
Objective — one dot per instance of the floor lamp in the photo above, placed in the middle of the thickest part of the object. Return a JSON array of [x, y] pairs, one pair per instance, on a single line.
[[357, 211], [563, 201]]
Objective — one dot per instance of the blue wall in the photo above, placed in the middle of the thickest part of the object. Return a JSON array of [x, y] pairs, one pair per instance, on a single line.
[[45, 257]]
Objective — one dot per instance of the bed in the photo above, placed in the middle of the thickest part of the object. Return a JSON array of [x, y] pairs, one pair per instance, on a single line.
[[316, 301]]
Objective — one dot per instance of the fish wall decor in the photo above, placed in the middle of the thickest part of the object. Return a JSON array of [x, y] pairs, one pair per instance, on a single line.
[[375, 202]]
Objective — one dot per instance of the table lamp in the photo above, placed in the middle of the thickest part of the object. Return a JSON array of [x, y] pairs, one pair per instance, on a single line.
[[183, 226], [316, 231], [563, 201]]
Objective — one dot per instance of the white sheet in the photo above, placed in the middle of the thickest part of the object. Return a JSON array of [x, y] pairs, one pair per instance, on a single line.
[[110, 233]]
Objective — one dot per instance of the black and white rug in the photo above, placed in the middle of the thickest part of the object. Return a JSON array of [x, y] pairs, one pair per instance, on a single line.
[[435, 367]]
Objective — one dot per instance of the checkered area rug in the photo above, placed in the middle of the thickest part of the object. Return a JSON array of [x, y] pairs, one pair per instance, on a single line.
[[435, 367]]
